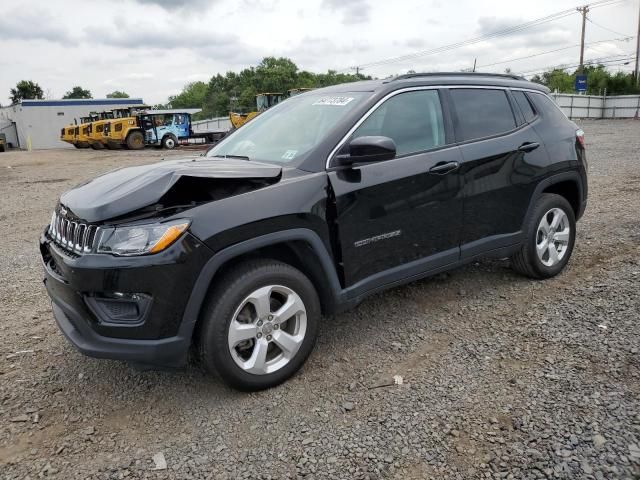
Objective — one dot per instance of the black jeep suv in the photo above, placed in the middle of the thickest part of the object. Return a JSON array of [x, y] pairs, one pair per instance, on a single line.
[[324, 199]]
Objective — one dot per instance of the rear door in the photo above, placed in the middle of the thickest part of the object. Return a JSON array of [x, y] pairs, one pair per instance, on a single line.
[[503, 157], [398, 213]]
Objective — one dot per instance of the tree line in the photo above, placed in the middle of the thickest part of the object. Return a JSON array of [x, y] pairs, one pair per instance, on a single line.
[[30, 90], [599, 81], [236, 91]]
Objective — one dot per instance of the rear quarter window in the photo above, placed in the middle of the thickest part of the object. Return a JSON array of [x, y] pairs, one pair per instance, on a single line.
[[524, 105], [481, 113], [549, 110]]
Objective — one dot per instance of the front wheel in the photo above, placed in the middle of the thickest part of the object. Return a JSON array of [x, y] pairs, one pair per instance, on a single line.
[[169, 142], [550, 237], [260, 325]]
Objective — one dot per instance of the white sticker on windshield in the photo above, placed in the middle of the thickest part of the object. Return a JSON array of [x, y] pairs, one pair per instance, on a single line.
[[289, 154], [335, 101]]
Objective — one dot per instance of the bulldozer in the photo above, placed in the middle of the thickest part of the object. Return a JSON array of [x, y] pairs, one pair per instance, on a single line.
[[97, 140], [263, 102]]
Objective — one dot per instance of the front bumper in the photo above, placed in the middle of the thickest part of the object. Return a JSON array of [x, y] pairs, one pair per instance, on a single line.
[[169, 352], [159, 336]]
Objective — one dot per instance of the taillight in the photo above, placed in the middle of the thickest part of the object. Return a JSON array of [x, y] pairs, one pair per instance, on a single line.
[[580, 137]]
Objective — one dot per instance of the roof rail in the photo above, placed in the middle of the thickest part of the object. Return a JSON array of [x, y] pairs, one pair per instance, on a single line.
[[457, 74]]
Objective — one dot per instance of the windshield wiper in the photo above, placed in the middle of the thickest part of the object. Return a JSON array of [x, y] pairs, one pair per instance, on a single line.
[[241, 157]]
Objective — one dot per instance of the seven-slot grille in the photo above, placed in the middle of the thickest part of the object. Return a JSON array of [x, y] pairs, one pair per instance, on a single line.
[[74, 236]]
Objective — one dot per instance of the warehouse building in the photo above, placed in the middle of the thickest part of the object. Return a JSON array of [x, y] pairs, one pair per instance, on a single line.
[[36, 124]]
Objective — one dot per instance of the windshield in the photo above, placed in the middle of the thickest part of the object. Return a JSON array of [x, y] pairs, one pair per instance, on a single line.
[[288, 131]]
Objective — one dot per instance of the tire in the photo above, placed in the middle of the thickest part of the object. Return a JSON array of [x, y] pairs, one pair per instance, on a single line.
[[527, 261], [169, 142], [135, 141], [229, 300], [97, 146], [76, 145]]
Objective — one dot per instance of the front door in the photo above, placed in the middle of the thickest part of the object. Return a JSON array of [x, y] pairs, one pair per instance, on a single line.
[[400, 217]]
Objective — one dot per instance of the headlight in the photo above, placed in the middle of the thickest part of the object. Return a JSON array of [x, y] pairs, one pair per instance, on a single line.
[[140, 239]]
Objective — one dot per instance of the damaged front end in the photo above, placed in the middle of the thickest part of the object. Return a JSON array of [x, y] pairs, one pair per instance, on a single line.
[[120, 260], [164, 189]]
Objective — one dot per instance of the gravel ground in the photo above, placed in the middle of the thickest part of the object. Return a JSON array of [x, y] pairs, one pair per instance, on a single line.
[[504, 377]]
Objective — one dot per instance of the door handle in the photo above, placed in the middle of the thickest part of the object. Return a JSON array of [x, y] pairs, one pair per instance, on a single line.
[[444, 168], [528, 147]]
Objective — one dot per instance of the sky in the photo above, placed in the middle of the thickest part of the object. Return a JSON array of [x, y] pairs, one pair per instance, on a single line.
[[152, 48]]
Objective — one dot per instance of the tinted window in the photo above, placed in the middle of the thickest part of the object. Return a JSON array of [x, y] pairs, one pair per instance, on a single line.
[[549, 109], [525, 106], [482, 113], [413, 120]]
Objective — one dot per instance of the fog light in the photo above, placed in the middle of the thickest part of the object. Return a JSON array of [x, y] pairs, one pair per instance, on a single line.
[[117, 308]]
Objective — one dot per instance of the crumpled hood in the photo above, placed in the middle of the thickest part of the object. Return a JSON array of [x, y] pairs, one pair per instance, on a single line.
[[127, 189]]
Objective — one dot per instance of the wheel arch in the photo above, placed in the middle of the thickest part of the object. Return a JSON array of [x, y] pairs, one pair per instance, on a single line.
[[570, 190], [302, 248], [566, 184]]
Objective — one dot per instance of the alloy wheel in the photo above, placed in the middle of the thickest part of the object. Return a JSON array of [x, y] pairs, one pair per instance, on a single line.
[[552, 237], [267, 329]]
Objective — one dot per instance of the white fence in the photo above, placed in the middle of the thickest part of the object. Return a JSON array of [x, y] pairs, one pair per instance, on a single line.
[[595, 106], [218, 124]]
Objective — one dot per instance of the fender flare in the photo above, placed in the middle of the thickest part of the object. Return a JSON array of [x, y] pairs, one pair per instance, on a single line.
[[201, 286], [552, 180]]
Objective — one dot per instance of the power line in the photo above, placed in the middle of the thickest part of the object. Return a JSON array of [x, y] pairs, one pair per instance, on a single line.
[[553, 51], [481, 38], [605, 28], [596, 61], [471, 41]]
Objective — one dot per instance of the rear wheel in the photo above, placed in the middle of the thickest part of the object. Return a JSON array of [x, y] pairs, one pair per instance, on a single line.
[[260, 325], [135, 140], [97, 146], [550, 237]]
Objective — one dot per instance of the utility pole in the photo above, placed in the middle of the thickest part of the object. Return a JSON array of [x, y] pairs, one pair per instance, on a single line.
[[474, 64], [637, 73], [583, 10]]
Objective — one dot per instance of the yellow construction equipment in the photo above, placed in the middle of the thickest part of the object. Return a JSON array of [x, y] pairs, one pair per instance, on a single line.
[[82, 133], [97, 140], [263, 101], [121, 130], [67, 134]]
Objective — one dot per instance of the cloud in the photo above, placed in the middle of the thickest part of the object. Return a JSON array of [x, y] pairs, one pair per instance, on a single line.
[[123, 34], [309, 49], [14, 26], [353, 11], [171, 5]]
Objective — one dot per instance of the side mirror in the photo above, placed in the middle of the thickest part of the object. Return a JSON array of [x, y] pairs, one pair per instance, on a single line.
[[369, 149]]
